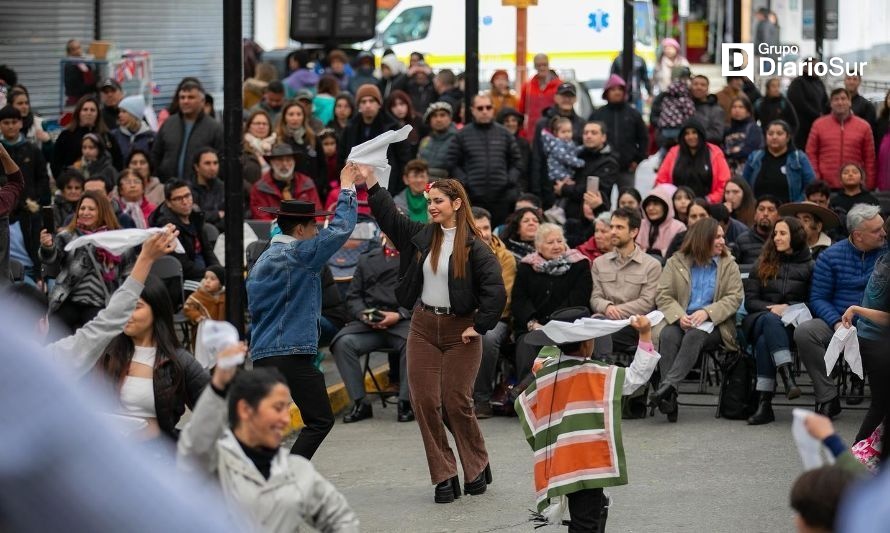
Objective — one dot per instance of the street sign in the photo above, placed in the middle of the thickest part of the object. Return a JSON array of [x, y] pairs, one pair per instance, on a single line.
[[326, 21], [519, 3]]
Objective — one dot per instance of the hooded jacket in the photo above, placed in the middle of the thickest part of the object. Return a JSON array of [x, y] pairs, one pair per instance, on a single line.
[[126, 140], [625, 129], [709, 113], [719, 169], [668, 228]]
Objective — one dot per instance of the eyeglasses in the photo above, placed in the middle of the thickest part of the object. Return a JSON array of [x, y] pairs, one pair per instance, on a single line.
[[131, 181], [484, 107], [181, 198]]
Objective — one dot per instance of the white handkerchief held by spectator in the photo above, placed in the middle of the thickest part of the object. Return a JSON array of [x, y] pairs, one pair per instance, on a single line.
[[373, 153], [809, 448], [844, 340], [796, 315], [119, 241], [707, 326], [213, 337]]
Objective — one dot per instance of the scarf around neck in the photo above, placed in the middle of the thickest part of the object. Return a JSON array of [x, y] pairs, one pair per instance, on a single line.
[[553, 267], [297, 134], [417, 207], [107, 260]]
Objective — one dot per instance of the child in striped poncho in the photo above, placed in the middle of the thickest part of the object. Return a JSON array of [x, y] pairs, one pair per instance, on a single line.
[[571, 415]]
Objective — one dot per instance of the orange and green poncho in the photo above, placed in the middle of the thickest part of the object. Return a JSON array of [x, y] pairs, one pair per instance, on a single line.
[[571, 417]]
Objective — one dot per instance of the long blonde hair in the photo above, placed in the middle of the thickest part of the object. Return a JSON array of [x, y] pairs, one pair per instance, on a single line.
[[466, 224]]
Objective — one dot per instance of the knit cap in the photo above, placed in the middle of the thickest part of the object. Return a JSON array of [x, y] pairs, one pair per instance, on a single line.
[[134, 105], [368, 90], [219, 272]]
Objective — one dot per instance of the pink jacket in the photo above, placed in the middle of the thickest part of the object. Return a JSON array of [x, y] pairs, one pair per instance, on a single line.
[[668, 229], [719, 171]]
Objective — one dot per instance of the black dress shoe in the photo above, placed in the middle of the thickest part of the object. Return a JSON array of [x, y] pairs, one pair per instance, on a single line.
[[406, 413], [478, 485], [483, 410], [831, 408], [360, 411], [857, 391], [666, 398], [447, 490]]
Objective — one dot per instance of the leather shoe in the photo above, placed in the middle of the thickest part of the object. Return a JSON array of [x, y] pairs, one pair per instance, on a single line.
[[360, 411], [478, 485], [406, 413], [483, 410], [447, 491], [857, 391], [831, 408]]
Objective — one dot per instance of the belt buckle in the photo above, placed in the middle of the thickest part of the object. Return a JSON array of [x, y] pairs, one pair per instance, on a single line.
[[440, 311]]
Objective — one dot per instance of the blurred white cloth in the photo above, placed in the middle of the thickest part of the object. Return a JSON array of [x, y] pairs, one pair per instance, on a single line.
[[589, 328], [844, 340], [118, 241], [810, 449], [373, 153], [796, 315], [213, 337], [219, 249]]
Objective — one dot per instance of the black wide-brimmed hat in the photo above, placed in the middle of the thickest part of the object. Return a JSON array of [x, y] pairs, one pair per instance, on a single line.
[[829, 218], [566, 314], [296, 209]]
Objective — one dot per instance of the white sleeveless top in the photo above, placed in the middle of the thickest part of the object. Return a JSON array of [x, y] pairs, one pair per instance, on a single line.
[[435, 286], [137, 396]]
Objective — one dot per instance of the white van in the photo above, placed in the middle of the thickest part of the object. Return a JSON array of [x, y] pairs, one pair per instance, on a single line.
[[583, 36]]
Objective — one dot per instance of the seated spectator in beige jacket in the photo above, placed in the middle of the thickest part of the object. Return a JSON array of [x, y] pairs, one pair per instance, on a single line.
[[625, 281]]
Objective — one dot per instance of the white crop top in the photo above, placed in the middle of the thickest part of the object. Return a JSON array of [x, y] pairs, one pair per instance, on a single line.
[[137, 396], [435, 286]]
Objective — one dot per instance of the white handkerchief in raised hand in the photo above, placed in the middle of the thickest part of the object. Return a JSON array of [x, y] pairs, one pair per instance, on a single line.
[[373, 153], [118, 241]]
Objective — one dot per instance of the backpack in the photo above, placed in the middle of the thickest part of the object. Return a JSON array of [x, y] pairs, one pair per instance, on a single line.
[[737, 399]]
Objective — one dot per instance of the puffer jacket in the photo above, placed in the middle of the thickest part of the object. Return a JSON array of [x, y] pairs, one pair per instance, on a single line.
[[486, 160], [480, 291], [675, 291], [562, 156], [790, 286], [625, 131], [668, 229], [833, 143], [295, 493], [798, 170], [434, 147], [101, 167], [839, 279], [749, 244], [537, 172], [170, 398], [719, 168]]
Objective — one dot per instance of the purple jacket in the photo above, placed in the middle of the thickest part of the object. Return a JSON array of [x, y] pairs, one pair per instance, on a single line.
[[302, 78]]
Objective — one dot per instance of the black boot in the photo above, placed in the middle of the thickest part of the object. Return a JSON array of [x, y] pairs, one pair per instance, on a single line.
[[785, 372], [857, 391], [478, 485], [764, 413], [360, 411], [406, 413], [666, 399], [831, 408], [447, 490]]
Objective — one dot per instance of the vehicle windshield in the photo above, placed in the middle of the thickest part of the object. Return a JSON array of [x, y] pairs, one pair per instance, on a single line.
[[412, 25]]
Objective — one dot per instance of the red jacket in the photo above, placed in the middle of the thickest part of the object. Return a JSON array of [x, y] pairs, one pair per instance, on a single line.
[[832, 144], [533, 101], [265, 193], [719, 171]]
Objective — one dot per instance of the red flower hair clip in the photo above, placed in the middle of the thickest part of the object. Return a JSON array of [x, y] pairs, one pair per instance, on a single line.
[[426, 191]]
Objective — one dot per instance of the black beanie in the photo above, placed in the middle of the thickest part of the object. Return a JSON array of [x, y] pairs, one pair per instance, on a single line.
[[220, 273]]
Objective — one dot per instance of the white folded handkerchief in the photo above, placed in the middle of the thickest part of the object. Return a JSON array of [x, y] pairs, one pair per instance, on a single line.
[[796, 314], [118, 241], [590, 328], [373, 153], [844, 340], [809, 448], [707, 326]]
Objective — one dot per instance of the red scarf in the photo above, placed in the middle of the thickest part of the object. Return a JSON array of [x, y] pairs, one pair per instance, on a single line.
[[108, 262]]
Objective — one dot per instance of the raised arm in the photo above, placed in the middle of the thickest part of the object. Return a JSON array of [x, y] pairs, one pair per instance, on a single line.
[[397, 227]]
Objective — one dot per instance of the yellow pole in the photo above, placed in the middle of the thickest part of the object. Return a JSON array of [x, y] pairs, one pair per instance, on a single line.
[[282, 15]]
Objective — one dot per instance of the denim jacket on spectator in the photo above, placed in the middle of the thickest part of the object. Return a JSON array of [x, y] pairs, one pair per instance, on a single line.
[[798, 170], [284, 286]]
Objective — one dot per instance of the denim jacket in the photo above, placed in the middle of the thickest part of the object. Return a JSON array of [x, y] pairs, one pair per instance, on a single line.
[[284, 286], [798, 170]]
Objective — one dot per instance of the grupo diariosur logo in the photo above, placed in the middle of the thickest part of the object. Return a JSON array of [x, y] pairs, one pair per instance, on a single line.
[[738, 59]]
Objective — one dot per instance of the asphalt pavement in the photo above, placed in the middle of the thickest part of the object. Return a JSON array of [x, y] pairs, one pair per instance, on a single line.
[[701, 474]]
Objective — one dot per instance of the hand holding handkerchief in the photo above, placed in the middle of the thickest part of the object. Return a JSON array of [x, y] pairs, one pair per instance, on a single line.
[[373, 153]]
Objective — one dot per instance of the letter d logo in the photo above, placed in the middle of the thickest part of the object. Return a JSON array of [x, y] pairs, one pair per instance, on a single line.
[[737, 59]]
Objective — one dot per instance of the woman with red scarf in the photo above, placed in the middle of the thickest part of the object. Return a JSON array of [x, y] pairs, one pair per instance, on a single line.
[[86, 276]]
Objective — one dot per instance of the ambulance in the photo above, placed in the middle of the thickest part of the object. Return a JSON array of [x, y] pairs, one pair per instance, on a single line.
[[581, 37]]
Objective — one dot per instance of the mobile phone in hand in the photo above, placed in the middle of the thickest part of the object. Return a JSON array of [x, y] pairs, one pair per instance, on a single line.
[[593, 183], [49, 219]]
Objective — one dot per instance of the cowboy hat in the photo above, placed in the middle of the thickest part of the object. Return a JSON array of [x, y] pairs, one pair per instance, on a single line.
[[296, 209], [828, 217], [282, 150]]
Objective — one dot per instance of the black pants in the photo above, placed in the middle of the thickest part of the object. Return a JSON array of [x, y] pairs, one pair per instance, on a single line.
[[877, 365], [586, 510], [308, 390]]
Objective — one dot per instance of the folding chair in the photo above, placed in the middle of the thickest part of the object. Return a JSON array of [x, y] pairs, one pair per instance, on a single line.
[[385, 395]]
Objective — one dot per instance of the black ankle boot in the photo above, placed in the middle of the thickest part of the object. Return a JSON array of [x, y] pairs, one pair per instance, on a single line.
[[764, 413], [406, 413], [478, 485], [857, 391], [785, 372], [360, 411], [447, 491]]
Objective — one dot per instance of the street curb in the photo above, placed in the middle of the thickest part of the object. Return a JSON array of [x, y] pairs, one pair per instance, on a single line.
[[339, 398]]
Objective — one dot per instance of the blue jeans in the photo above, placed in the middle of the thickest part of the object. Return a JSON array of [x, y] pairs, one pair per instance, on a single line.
[[327, 331], [771, 349]]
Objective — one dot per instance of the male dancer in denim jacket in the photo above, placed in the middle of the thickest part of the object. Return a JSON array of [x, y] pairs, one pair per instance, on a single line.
[[284, 300]]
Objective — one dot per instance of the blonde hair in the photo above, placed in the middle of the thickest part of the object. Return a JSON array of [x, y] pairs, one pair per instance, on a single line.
[[546, 229]]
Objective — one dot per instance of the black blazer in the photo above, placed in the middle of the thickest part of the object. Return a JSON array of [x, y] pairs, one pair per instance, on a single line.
[[481, 290]]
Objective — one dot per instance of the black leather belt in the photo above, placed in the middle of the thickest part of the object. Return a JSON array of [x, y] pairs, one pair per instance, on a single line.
[[437, 310]]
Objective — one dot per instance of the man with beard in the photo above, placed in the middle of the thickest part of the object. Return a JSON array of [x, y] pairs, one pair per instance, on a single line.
[[281, 182], [765, 215], [816, 221], [209, 191]]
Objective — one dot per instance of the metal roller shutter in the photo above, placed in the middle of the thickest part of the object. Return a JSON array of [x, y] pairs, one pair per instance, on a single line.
[[32, 41]]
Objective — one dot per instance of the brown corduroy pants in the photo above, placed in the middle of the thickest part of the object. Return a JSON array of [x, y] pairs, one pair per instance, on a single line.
[[441, 373]]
